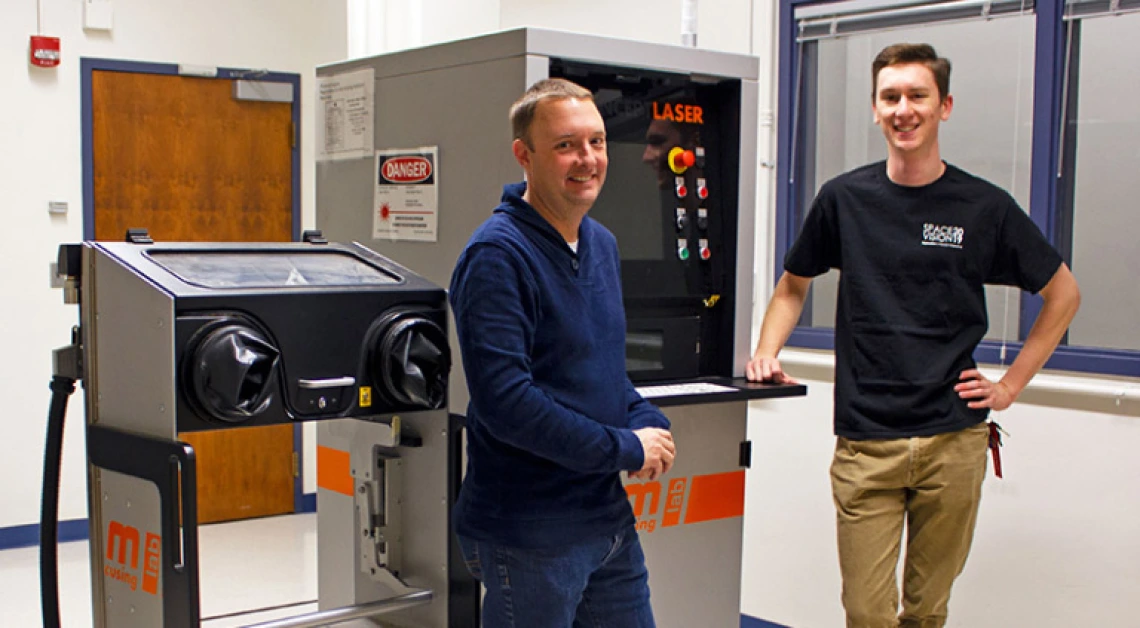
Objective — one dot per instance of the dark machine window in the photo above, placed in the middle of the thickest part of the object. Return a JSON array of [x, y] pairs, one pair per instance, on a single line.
[[670, 200], [270, 269]]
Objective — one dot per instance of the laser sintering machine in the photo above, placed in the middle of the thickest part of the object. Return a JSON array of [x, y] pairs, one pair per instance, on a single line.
[[680, 197]]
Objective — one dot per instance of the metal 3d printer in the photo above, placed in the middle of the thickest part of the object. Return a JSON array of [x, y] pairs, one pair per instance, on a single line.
[[681, 127]]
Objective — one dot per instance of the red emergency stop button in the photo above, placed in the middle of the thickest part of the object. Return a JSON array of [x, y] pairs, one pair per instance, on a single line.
[[681, 160], [703, 249]]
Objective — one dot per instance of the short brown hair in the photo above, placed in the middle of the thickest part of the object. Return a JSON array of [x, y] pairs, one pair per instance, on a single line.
[[522, 112], [913, 53]]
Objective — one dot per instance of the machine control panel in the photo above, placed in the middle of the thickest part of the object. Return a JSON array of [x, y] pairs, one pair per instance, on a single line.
[[670, 199]]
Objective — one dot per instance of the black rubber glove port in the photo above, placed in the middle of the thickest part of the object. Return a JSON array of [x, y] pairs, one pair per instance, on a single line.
[[232, 372], [411, 361]]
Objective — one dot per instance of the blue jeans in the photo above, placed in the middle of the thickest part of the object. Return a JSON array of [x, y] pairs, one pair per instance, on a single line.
[[598, 583]]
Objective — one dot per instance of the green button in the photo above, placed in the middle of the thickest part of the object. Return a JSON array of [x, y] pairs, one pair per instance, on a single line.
[[683, 254]]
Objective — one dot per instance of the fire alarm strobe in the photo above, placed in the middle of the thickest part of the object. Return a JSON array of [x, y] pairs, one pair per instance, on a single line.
[[44, 51]]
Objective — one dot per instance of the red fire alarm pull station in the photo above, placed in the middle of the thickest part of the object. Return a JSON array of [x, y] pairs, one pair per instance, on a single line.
[[44, 51]]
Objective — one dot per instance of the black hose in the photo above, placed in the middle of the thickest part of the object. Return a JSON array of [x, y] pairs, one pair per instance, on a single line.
[[61, 389]]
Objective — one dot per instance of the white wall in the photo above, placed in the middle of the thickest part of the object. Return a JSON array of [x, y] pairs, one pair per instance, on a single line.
[[379, 26], [721, 25], [1056, 542], [41, 162]]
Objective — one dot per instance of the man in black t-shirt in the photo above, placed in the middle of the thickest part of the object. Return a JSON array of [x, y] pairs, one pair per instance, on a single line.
[[915, 240]]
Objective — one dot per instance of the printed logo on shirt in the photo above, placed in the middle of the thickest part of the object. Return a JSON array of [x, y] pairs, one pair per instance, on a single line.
[[942, 235]]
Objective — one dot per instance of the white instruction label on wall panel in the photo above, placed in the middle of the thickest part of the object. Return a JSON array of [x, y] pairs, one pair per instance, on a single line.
[[345, 114], [406, 203]]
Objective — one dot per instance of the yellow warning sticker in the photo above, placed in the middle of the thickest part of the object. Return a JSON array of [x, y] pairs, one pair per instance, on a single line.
[[365, 396]]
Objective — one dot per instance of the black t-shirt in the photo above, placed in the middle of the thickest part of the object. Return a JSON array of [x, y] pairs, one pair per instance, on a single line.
[[911, 304]]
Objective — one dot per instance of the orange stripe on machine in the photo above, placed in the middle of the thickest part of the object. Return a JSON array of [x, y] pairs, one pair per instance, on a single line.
[[716, 496], [334, 470]]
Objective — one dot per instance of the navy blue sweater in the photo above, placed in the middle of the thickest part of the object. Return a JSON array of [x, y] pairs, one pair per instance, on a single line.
[[542, 333]]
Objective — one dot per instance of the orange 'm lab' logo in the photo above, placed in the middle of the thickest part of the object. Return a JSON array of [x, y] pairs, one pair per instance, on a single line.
[[687, 500], [123, 557]]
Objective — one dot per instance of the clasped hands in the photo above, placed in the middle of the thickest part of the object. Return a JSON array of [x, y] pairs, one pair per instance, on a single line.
[[659, 449]]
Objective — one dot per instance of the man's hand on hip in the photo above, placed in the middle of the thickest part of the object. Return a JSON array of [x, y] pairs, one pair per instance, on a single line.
[[980, 392]]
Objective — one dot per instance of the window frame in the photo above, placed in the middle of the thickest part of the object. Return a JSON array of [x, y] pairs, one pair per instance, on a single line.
[[1045, 195]]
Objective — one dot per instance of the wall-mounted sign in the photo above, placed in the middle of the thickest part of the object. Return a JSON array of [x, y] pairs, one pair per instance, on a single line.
[[406, 202]]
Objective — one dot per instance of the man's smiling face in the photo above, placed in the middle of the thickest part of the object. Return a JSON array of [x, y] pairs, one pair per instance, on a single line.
[[908, 108]]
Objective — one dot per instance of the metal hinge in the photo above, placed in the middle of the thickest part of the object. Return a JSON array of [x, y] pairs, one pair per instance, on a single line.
[[296, 465], [292, 135]]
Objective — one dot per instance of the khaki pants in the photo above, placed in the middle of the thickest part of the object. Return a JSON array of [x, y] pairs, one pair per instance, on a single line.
[[934, 483]]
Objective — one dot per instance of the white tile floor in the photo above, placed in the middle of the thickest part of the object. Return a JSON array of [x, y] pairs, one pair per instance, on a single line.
[[244, 566]]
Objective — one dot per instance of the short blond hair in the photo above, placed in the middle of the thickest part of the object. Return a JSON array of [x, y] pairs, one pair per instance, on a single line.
[[523, 110]]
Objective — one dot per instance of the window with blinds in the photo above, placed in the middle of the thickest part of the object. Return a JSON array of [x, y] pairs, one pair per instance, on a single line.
[[1045, 95]]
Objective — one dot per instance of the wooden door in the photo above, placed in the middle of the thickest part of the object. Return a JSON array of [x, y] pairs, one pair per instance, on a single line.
[[181, 158]]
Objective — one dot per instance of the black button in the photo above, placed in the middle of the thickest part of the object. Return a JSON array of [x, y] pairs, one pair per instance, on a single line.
[[574, 264]]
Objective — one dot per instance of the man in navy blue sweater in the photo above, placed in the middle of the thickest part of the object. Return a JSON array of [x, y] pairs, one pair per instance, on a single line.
[[542, 517]]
